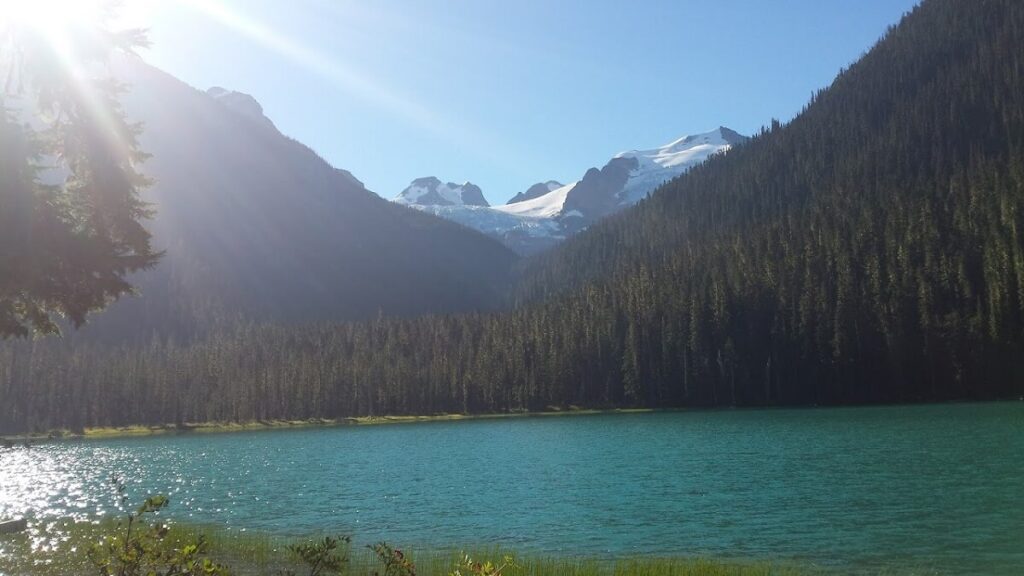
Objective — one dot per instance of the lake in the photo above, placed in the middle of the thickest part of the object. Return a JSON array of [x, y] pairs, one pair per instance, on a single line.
[[926, 488]]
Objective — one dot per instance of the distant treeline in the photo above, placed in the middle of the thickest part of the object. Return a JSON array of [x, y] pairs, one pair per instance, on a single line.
[[869, 251]]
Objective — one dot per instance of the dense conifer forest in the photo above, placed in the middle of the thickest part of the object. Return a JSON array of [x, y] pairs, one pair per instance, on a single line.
[[870, 250]]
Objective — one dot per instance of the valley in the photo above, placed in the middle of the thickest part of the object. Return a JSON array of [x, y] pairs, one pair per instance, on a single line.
[[790, 348]]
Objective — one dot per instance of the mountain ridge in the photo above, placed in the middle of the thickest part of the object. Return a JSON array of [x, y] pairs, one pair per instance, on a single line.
[[549, 212], [430, 191]]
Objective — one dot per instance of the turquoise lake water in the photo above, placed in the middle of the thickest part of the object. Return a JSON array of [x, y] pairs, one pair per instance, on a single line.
[[923, 488]]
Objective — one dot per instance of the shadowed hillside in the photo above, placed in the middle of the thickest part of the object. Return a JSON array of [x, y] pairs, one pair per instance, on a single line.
[[256, 225]]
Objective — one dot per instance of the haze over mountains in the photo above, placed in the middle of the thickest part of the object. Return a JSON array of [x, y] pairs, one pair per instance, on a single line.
[[549, 212], [256, 224]]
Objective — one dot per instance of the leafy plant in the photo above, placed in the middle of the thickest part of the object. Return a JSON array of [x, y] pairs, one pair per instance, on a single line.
[[140, 549], [395, 561], [321, 556], [469, 567]]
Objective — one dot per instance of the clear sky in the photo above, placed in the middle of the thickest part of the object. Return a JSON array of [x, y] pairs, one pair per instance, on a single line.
[[508, 93]]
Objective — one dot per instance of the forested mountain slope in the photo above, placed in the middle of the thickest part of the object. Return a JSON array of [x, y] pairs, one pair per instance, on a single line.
[[256, 225], [934, 104], [868, 251]]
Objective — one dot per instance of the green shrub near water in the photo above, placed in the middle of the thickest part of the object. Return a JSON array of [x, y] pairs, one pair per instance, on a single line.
[[58, 549]]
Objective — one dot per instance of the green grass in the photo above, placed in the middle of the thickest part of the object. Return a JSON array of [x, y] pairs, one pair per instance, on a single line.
[[58, 549]]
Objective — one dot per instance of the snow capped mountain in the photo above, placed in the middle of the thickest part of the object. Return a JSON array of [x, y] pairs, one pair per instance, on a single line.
[[549, 212], [536, 190], [657, 166], [430, 191], [547, 205], [466, 205]]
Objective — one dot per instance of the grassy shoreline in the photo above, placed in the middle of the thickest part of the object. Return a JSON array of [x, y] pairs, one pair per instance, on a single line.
[[57, 548], [102, 433]]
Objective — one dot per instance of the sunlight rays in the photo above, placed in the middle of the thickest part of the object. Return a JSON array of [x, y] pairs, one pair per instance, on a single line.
[[51, 17], [353, 81], [338, 74], [61, 47]]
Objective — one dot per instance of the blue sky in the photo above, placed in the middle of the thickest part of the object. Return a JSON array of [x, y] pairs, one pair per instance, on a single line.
[[506, 94]]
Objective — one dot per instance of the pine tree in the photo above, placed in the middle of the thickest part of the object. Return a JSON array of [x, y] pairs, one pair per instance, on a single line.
[[66, 246]]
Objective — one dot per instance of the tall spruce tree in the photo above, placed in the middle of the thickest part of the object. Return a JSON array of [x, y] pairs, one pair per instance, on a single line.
[[70, 214]]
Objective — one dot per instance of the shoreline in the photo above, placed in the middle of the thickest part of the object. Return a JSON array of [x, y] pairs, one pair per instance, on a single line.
[[258, 552], [140, 431], [145, 430]]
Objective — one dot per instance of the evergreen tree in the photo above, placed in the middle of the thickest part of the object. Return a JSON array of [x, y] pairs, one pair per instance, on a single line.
[[70, 214]]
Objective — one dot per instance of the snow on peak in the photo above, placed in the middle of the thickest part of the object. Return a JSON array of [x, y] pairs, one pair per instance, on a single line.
[[430, 191], [627, 178], [545, 206], [687, 149], [536, 191], [659, 165]]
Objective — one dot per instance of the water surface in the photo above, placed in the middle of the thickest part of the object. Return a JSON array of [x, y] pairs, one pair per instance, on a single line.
[[925, 488]]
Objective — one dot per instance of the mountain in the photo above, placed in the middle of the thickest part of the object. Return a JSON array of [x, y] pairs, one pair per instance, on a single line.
[[257, 225], [549, 212], [432, 192], [649, 169], [241, 103], [537, 190]]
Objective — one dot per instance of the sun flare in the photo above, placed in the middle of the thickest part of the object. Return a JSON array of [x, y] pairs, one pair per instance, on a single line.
[[52, 19]]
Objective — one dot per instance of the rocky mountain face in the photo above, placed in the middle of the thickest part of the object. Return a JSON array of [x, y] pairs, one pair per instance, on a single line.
[[430, 191]]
